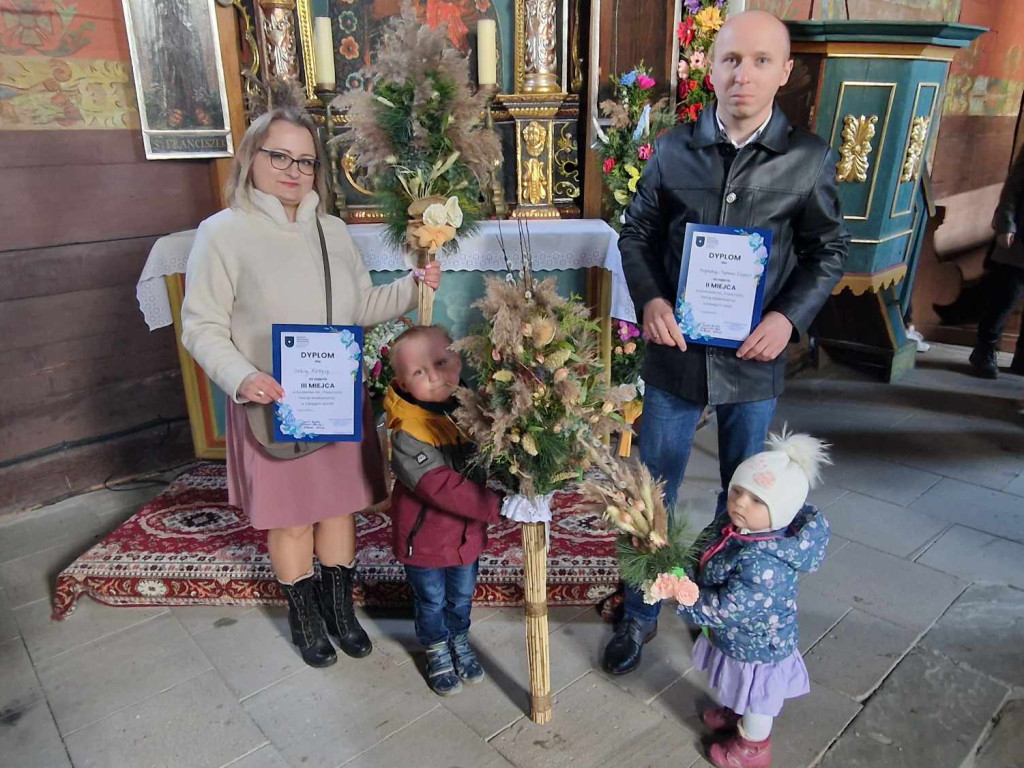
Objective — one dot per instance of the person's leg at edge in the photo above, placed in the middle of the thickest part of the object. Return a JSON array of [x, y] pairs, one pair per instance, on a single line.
[[1002, 286], [666, 438]]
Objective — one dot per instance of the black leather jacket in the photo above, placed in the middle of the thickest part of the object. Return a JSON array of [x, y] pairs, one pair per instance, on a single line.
[[1009, 216], [783, 181]]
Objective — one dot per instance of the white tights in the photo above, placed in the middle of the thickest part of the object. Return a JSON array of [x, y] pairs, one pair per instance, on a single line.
[[756, 727]]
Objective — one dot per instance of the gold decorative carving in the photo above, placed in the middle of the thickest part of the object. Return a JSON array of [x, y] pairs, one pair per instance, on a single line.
[[856, 146], [520, 44], [255, 96], [541, 61], [305, 13], [912, 162], [858, 284], [567, 164], [535, 137], [535, 182], [349, 163]]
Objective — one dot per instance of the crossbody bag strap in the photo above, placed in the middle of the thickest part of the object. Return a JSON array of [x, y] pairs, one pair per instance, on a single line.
[[327, 269]]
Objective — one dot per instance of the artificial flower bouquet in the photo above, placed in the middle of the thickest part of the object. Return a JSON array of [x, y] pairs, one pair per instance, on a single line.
[[628, 143], [696, 32]]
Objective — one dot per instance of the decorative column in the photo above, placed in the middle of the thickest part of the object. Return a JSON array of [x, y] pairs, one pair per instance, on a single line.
[[277, 34], [544, 118], [541, 60]]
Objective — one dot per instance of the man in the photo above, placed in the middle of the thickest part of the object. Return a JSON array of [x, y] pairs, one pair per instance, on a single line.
[[1004, 281], [742, 165]]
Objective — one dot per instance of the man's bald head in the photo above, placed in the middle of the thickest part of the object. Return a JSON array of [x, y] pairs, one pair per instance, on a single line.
[[766, 24], [750, 63]]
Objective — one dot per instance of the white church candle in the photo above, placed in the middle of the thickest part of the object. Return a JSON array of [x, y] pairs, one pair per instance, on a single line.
[[323, 53], [487, 52]]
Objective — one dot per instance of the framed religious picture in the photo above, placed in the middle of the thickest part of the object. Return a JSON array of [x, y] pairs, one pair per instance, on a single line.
[[179, 78]]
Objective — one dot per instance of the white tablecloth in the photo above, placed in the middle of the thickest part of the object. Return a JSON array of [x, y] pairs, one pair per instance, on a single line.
[[556, 244]]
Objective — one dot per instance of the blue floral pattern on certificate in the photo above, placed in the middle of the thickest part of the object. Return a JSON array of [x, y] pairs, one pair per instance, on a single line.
[[289, 424], [687, 322], [756, 242]]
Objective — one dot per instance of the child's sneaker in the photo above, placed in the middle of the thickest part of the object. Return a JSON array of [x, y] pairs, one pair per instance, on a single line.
[[739, 752], [441, 675], [466, 665]]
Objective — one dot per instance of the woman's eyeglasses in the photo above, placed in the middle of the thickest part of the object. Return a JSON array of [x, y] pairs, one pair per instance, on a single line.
[[283, 162]]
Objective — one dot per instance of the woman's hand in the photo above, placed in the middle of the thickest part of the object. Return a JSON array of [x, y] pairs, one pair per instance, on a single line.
[[429, 275], [259, 387]]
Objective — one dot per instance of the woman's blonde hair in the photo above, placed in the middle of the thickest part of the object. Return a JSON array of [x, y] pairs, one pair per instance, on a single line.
[[236, 191]]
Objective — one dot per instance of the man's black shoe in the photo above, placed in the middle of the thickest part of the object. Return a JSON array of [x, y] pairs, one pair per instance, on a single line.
[[622, 654], [983, 361]]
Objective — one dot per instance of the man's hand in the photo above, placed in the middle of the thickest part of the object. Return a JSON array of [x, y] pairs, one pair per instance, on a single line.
[[767, 341], [1005, 240], [660, 324]]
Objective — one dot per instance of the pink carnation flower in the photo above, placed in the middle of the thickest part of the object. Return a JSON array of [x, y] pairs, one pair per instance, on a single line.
[[645, 152], [645, 82], [679, 588], [687, 592]]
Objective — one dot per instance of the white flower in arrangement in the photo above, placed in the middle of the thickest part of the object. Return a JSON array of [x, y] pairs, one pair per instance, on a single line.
[[438, 215]]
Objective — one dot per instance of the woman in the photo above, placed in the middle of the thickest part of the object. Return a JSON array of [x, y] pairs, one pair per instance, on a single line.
[[257, 263]]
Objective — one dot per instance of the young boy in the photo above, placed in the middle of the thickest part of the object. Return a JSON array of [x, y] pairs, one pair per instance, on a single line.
[[439, 517]]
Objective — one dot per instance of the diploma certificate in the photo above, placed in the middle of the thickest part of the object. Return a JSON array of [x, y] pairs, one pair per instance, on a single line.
[[721, 283], [319, 368]]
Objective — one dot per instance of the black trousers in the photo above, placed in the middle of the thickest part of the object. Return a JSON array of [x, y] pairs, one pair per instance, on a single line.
[[1002, 286]]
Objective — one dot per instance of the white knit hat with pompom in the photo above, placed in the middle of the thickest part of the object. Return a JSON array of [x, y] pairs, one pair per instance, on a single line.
[[783, 475]]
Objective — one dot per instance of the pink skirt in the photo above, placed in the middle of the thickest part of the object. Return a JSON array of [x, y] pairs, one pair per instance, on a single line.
[[339, 479]]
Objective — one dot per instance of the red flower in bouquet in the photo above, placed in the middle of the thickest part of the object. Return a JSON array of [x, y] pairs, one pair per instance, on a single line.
[[708, 85], [685, 87], [692, 112], [685, 32], [609, 165]]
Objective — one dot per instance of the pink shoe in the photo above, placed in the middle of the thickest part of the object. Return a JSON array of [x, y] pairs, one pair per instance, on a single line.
[[719, 719], [739, 752]]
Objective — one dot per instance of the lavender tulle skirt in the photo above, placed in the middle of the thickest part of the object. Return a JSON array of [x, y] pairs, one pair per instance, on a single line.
[[751, 687]]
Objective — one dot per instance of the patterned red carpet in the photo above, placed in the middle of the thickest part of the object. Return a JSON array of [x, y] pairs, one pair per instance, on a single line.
[[188, 546]]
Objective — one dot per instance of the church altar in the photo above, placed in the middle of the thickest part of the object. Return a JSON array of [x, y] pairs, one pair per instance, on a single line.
[[563, 248]]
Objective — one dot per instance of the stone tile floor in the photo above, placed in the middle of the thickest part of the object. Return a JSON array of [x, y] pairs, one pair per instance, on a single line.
[[913, 630]]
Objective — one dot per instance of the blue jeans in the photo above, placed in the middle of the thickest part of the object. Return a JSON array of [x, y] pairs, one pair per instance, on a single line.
[[441, 600], [666, 437]]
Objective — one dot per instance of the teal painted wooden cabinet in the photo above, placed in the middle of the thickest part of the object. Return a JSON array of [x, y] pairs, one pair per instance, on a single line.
[[874, 92]]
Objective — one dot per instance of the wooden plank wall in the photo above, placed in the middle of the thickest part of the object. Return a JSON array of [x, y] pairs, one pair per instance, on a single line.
[[88, 391]]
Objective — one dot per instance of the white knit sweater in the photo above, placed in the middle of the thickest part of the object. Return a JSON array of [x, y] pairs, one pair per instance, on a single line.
[[250, 268]]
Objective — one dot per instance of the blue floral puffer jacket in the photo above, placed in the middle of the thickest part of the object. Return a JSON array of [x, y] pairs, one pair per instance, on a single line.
[[748, 585]]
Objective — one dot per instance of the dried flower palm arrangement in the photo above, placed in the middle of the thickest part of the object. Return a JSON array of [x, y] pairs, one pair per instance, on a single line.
[[539, 398], [540, 394], [655, 549], [419, 134]]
